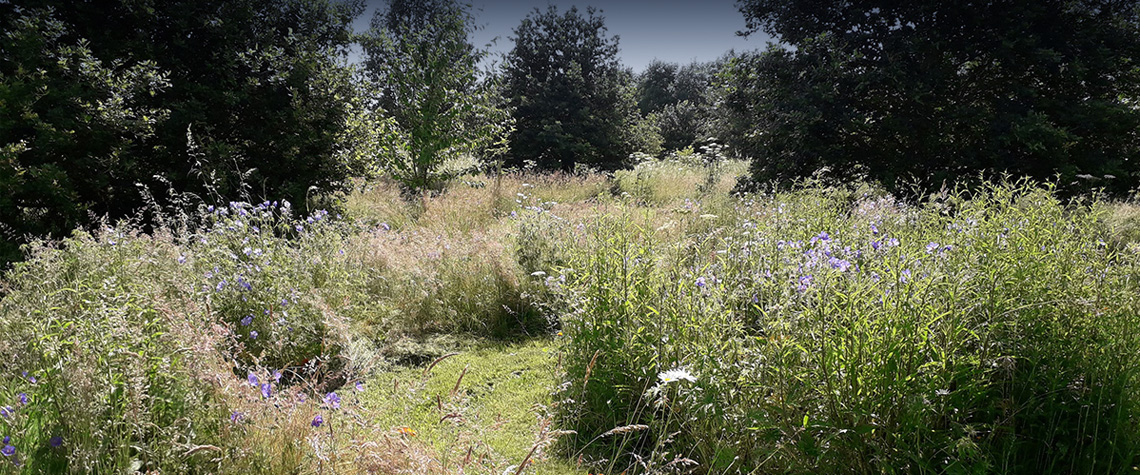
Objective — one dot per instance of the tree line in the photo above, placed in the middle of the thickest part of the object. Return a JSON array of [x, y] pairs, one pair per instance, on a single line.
[[220, 98]]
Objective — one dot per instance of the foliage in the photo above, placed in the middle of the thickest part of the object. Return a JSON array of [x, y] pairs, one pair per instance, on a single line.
[[662, 84], [572, 101], [680, 100], [99, 364], [935, 92], [655, 86], [841, 331], [71, 127], [419, 56], [204, 96]]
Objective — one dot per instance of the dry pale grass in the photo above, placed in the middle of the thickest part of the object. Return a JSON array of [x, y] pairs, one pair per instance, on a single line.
[[669, 183], [1123, 221], [378, 202]]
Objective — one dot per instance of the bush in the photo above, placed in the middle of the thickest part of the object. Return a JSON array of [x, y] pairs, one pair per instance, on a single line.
[[824, 332], [127, 352], [103, 350], [269, 276]]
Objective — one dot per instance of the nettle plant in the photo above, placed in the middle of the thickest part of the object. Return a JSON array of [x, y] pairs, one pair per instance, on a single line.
[[262, 272]]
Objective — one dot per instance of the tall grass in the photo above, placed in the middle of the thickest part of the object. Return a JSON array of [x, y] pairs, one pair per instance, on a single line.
[[823, 331], [216, 350]]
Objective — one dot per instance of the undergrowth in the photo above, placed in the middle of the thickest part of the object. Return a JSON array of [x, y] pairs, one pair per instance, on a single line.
[[821, 330]]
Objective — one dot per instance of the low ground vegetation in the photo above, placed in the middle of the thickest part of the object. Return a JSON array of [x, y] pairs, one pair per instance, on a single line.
[[649, 321]]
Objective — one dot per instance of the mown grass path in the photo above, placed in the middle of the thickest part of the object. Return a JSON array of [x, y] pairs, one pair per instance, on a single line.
[[489, 399]]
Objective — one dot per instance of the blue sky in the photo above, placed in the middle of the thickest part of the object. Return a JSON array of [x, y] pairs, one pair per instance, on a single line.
[[670, 30]]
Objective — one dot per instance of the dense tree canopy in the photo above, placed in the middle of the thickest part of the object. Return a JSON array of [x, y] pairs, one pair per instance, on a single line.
[[205, 94], [71, 128], [572, 100], [680, 100], [939, 90]]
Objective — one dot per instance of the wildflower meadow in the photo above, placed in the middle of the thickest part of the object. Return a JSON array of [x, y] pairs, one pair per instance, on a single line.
[[653, 325]]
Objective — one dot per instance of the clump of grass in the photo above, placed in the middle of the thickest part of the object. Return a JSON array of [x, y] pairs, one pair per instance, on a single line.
[[667, 182], [93, 377], [1123, 220], [806, 332], [377, 202], [420, 284], [127, 352]]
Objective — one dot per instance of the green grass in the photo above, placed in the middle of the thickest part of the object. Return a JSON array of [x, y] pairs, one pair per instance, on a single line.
[[504, 392], [999, 335]]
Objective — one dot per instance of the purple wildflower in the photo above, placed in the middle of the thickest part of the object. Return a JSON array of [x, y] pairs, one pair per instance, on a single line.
[[253, 335], [237, 416], [300, 228], [822, 236], [7, 411], [252, 378], [221, 285], [318, 420], [930, 248], [55, 441], [277, 376], [8, 450], [247, 320], [875, 245], [805, 282], [266, 390], [389, 228], [874, 230], [181, 258], [359, 386], [701, 282], [332, 400], [23, 398]]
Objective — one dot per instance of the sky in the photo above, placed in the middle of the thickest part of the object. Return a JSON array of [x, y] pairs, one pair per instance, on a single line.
[[676, 31]]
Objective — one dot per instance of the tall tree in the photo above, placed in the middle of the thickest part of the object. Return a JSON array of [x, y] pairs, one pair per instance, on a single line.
[[679, 99], [426, 71], [938, 90], [572, 100], [207, 95], [71, 127], [655, 86]]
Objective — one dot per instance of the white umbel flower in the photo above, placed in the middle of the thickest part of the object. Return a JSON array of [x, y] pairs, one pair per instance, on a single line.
[[676, 374]]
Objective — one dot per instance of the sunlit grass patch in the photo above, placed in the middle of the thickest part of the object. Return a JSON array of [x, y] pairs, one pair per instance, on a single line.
[[483, 407]]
